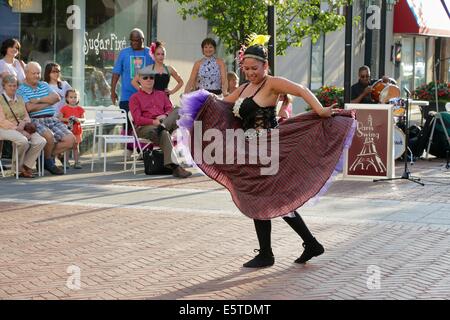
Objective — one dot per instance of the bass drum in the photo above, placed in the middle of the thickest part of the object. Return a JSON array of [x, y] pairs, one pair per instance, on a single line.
[[399, 143], [391, 91], [382, 92], [377, 87]]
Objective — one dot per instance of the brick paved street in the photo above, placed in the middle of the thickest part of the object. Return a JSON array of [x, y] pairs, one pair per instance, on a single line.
[[142, 237]]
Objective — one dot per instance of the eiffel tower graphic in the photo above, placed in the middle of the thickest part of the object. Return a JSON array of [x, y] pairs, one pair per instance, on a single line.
[[368, 158]]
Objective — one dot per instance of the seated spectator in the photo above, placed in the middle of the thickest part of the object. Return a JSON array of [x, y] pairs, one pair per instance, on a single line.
[[39, 99], [233, 81], [10, 64], [285, 111], [13, 120], [155, 118], [52, 75]]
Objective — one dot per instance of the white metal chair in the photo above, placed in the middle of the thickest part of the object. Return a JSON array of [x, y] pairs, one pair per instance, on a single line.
[[146, 141], [40, 164], [13, 161], [112, 117], [16, 160]]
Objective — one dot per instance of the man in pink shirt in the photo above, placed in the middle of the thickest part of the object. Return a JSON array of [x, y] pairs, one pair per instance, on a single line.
[[155, 118]]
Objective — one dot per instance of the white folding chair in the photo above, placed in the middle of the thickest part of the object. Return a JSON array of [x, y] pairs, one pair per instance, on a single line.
[[112, 117], [146, 141], [40, 164], [1, 166], [16, 160]]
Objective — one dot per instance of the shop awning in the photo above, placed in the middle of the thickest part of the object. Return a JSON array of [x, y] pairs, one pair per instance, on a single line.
[[422, 17]]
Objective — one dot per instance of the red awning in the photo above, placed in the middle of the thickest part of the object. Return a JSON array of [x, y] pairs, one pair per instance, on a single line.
[[422, 17]]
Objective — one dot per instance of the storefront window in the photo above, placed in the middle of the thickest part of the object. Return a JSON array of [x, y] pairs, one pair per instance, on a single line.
[[37, 32], [317, 54], [448, 72], [407, 64], [413, 66], [420, 62], [108, 26], [154, 20], [77, 34]]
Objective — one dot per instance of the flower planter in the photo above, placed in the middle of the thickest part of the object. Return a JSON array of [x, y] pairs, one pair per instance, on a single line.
[[432, 107], [328, 95]]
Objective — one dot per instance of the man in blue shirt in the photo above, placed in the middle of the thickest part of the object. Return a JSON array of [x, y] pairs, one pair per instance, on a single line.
[[130, 60]]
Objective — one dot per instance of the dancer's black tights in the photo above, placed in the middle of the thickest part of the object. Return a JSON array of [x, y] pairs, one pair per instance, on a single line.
[[264, 228], [300, 227]]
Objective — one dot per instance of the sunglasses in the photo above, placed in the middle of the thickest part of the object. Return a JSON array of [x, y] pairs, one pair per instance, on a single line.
[[148, 77]]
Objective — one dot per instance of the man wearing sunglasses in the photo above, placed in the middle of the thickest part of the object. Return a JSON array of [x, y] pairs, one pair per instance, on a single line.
[[155, 119], [361, 92]]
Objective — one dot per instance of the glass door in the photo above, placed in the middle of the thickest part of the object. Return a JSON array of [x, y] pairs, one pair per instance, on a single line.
[[407, 64], [420, 61]]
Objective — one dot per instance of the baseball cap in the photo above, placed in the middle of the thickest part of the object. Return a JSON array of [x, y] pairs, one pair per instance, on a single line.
[[146, 71]]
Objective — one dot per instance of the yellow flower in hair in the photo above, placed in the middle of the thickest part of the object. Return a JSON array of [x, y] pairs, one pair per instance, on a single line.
[[257, 39]]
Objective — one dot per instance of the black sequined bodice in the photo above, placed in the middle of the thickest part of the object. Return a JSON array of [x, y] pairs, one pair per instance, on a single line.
[[255, 117]]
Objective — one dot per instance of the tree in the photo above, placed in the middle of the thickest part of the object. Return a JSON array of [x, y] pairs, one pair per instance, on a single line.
[[233, 20]]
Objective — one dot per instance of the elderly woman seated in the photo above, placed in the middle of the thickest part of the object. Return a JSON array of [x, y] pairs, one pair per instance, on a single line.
[[15, 125]]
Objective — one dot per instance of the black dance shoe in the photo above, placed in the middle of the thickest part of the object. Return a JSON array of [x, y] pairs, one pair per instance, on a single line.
[[312, 249], [265, 258]]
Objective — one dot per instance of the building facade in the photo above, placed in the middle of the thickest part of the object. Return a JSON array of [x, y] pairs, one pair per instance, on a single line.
[[416, 34], [84, 37]]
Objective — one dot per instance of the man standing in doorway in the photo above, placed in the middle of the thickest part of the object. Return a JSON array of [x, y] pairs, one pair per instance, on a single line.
[[130, 60]]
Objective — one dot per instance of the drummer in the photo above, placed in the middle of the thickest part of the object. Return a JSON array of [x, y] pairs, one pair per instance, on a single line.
[[361, 91]]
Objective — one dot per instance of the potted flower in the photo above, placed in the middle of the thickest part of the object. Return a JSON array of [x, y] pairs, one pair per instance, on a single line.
[[427, 92], [329, 95]]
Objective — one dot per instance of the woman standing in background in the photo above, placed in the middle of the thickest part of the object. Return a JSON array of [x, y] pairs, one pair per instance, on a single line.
[[163, 72], [208, 73]]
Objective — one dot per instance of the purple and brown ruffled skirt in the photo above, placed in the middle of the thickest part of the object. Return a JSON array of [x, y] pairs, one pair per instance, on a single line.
[[306, 152]]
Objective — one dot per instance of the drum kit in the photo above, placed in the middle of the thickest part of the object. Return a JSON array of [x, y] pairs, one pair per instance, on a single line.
[[388, 93], [383, 92]]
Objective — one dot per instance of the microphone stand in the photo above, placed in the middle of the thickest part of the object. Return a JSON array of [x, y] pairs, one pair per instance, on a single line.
[[406, 173]]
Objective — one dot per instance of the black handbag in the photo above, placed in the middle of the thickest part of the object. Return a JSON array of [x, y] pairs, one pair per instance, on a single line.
[[154, 162]]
